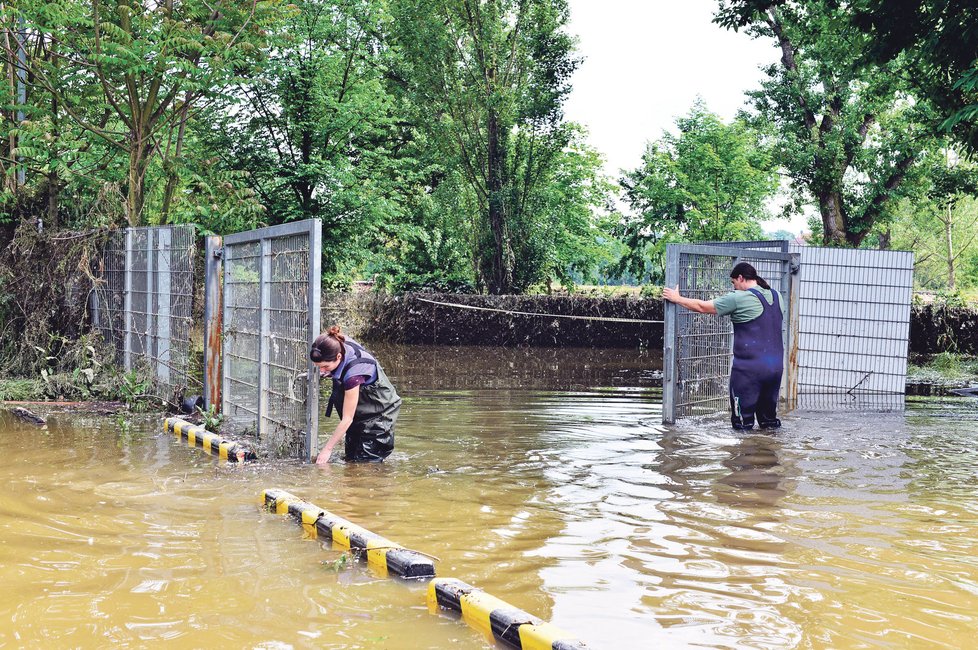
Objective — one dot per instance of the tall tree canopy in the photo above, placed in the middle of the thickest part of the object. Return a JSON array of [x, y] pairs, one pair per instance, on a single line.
[[491, 77], [849, 133], [940, 223], [939, 39], [127, 76], [708, 181], [320, 134]]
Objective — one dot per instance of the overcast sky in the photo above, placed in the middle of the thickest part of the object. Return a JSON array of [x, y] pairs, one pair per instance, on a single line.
[[645, 62]]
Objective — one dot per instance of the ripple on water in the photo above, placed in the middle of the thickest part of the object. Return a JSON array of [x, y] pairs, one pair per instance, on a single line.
[[842, 530]]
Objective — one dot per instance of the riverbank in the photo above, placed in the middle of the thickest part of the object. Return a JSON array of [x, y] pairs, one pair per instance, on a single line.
[[572, 321], [534, 321]]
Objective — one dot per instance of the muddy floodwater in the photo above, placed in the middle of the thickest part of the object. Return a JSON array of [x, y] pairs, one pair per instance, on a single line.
[[543, 477]]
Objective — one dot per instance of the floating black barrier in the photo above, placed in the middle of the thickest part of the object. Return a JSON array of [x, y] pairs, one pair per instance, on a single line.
[[212, 443], [381, 553]]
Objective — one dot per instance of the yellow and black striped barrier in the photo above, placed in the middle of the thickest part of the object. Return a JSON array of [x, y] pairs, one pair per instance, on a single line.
[[380, 553], [496, 619], [212, 443]]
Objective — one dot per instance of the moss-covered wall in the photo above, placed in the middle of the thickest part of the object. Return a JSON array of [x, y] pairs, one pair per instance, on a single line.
[[411, 318]]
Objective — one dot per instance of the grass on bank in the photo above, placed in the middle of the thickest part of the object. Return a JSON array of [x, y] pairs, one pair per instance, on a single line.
[[21, 390], [945, 368]]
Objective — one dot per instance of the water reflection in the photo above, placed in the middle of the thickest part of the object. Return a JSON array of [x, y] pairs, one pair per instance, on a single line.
[[544, 478], [756, 474]]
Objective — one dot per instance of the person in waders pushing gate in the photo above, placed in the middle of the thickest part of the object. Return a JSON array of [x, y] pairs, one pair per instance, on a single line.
[[757, 313], [362, 395]]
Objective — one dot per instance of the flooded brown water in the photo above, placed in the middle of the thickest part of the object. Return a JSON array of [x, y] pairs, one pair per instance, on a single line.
[[543, 477]]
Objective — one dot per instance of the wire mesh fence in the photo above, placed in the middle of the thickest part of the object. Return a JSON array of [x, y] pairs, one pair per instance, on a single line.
[[142, 304], [270, 316], [847, 331], [699, 347]]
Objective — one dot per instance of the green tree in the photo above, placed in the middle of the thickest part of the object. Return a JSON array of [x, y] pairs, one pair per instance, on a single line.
[[848, 133], [940, 224], [940, 43], [708, 181], [320, 133], [490, 78], [572, 219], [130, 74]]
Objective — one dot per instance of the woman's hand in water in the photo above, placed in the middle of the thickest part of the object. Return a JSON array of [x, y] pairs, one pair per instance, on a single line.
[[324, 455]]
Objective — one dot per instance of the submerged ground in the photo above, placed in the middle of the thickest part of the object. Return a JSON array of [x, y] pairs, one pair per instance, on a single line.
[[543, 477]]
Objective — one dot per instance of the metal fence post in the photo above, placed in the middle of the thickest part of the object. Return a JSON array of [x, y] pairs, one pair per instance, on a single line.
[[225, 379], [669, 340], [264, 282], [314, 295], [791, 349], [212, 323], [161, 315], [127, 303]]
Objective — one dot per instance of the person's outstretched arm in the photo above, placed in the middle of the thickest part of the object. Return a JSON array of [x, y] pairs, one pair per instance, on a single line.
[[351, 397], [692, 304]]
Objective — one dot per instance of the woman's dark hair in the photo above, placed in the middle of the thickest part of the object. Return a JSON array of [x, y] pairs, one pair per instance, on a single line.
[[749, 273], [327, 346]]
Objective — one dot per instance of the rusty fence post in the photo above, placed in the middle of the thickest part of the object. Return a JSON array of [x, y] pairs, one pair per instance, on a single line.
[[213, 270]]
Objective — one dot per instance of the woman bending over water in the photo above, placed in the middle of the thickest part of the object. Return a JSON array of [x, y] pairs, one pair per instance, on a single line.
[[362, 395]]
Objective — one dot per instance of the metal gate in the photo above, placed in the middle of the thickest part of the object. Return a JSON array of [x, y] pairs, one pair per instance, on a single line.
[[142, 302], [270, 316], [853, 328], [699, 347]]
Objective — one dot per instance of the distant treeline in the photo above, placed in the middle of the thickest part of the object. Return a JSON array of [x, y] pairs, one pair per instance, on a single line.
[[430, 138]]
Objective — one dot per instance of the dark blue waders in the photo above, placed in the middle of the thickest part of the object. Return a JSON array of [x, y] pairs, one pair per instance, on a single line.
[[755, 378]]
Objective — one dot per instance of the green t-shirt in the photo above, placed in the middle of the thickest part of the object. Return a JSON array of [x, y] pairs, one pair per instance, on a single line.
[[743, 306]]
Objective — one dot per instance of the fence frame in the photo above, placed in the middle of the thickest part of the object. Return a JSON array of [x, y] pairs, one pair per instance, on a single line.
[[672, 346], [157, 342], [264, 236]]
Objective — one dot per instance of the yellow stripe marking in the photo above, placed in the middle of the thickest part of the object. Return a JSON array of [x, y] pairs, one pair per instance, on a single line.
[[223, 453], [377, 553], [341, 536], [207, 438], [542, 637], [476, 608], [192, 437], [432, 596]]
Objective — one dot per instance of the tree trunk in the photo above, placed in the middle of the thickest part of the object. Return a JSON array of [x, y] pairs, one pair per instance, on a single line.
[[501, 277], [54, 183], [171, 176], [886, 239], [306, 187], [833, 221], [54, 189], [948, 228], [10, 179], [138, 163]]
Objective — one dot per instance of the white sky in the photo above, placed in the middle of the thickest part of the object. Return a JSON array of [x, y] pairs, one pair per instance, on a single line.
[[645, 62]]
